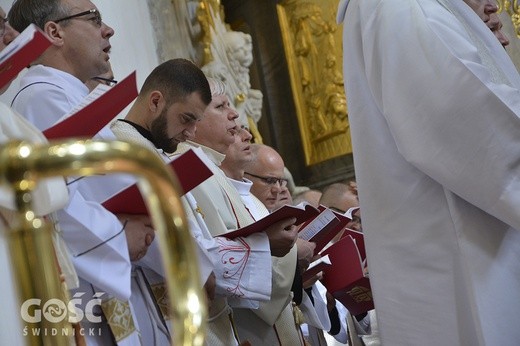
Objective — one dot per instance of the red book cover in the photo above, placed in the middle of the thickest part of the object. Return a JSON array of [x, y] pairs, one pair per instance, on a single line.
[[315, 267], [301, 212], [190, 172], [357, 298], [92, 118], [345, 278], [24, 49], [358, 239]]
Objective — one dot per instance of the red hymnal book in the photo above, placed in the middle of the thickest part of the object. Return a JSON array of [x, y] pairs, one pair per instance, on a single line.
[[301, 212], [358, 239], [315, 267], [92, 118], [322, 229], [24, 49], [345, 279], [190, 172]]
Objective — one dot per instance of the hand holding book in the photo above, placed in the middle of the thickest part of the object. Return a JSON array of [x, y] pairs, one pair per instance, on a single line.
[[301, 212], [282, 236]]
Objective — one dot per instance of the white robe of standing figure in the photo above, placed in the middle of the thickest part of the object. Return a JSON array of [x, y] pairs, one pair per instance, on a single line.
[[434, 109]]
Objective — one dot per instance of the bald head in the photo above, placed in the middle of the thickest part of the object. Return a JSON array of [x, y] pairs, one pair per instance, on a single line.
[[265, 155], [266, 171], [309, 196], [340, 197]]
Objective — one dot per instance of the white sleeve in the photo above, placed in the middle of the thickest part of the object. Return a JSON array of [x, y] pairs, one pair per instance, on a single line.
[[98, 246], [476, 129], [30, 102], [242, 266]]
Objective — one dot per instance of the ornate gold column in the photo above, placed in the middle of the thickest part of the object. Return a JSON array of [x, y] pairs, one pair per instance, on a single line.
[[312, 42]]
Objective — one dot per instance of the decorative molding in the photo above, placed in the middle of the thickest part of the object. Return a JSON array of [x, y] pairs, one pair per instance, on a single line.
[[228, 55], [313, 51], [513, 9]]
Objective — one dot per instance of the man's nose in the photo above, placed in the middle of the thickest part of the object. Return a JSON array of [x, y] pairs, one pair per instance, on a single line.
[[107, 30]]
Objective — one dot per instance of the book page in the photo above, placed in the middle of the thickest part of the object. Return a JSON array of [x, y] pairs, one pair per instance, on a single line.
[[316, 225], [21, 52]]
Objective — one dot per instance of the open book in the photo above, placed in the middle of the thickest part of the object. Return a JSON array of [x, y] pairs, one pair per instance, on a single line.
[[90, 119], [190, 172], [345, 279], [323, 228], [301, 212], [358, 239], [24, 49], [315, 267]]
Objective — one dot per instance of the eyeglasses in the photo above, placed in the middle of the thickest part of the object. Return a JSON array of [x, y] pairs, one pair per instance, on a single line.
[[106, 81], [270, 180], [3, 22], [96, 19]]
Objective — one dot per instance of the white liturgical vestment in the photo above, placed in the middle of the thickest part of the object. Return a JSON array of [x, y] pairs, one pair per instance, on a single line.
[[434, 108], [95, 237], [224, 211], [273, 323], [235, 278], [45, 95], [50, 195]]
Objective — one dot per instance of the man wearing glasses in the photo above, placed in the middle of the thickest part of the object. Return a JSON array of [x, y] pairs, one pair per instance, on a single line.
[[102, 243], [50, 195], [215, 133], [267, 173], [80, 51]]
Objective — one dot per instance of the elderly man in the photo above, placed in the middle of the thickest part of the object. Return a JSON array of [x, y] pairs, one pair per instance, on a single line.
[[102, 245], [267, 174], [435, 131], [259, 197], [223, 206]]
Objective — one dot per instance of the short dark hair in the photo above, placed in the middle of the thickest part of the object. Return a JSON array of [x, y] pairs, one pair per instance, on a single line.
[[176, 79], [25, 12]]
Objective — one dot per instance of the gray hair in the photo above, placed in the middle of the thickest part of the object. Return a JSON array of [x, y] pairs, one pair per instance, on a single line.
[[39, 12], [217, 87]]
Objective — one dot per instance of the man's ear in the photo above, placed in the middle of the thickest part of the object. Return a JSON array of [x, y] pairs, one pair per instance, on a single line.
[[156, 102], [54, 33]]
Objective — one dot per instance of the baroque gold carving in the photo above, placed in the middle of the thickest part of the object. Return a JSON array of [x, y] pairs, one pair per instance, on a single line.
[[312, 44], [513, 9], [228, 55], [206, 20]]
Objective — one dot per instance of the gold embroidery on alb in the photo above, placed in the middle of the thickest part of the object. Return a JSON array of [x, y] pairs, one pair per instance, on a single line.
[[161, 298], [119, 318]]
